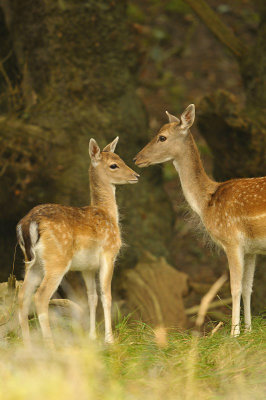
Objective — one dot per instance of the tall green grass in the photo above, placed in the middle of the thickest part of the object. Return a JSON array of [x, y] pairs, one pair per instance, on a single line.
[[136, 366]]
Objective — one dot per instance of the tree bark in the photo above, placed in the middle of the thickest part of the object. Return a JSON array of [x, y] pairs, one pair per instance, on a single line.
[[224, 34], [79, 66], [237, 137]]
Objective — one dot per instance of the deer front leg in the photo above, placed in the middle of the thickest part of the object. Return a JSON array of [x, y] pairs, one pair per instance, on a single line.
[[236, 261], [106, 273], [89, 278], [249, 269]]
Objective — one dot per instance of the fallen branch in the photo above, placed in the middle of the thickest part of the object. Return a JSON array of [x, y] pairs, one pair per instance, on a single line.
[[214, 304], [9, 307], [218, 326], [203, 288], [206, 300], [68, 304], [211, 19], [217, 315]]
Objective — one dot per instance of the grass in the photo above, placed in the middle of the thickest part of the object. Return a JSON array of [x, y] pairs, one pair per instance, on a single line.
[[137, 366]]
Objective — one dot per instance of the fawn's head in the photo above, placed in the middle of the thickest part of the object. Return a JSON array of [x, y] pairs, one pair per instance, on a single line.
[[109, 166], [169, 143]]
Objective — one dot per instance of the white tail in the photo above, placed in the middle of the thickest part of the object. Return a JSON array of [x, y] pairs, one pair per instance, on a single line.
[[56, 238], [233, 212]]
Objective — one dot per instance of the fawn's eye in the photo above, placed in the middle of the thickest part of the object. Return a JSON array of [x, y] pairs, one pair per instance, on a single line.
[[113, 166], [162, 138]]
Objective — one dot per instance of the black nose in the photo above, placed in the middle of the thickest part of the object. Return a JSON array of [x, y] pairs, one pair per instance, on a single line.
[[137, 175], [134, 159]]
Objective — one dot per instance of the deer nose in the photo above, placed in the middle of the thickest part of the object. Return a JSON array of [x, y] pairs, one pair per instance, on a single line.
[[136, 175], [135, 158]]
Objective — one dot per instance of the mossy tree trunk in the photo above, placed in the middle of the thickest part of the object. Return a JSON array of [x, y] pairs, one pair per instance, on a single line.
[[236, 136], [78, 67]]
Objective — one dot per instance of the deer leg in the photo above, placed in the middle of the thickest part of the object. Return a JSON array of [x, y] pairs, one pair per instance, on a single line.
[[47, 288], [89, 278], [106, 273], [236, 261], [32, 279], [249, 269]]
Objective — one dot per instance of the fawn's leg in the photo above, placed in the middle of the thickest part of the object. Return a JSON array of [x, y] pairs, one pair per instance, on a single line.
[[248, 275], [89, 278], [236, 262], [32, 279], [106, 273], [48, 286]]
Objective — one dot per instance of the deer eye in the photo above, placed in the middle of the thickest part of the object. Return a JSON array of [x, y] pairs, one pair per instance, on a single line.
[[113, 166], [162, 138]]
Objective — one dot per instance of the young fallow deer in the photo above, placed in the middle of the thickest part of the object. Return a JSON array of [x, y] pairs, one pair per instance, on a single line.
[[56, 239], [233, 212]]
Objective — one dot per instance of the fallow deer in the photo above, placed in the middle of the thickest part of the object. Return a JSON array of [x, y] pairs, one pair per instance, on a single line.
[[56, 239], [233, 212]]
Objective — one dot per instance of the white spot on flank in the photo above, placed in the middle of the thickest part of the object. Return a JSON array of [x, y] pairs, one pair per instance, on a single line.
[[256, 216]]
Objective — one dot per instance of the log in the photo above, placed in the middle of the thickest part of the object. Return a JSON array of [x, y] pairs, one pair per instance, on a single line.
[[154, 291]]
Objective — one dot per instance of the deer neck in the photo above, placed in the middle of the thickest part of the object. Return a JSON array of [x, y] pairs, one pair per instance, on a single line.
[[197, 186], [102, 193]]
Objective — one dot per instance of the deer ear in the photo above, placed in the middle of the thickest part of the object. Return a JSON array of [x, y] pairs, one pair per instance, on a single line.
[[94, 152], [188, 116], [111, 146], [172, 118]]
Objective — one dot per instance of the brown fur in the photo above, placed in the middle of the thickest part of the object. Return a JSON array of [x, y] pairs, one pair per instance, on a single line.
[[233, 212], [238, 205], [56, 238]]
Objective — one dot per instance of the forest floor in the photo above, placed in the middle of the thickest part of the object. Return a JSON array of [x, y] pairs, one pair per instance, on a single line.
[[142, 364]]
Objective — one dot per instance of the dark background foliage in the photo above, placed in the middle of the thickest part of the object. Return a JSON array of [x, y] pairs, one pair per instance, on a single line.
[[71, 70]]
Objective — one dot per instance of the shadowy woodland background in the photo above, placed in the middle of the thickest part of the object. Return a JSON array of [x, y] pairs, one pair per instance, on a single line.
[[75, 69]]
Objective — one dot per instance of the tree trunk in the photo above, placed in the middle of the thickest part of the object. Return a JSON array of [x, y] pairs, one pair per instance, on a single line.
[[237, 137], [253, 69], [78, 65]]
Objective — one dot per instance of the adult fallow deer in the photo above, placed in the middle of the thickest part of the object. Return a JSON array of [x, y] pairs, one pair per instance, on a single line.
[[233, 212]]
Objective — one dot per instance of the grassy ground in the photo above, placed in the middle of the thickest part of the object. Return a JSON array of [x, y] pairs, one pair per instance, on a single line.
[[140, 365]]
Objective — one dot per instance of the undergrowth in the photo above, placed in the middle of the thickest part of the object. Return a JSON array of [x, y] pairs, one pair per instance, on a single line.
[[140, 365]]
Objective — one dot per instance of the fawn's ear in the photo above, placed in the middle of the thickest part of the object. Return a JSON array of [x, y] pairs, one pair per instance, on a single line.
[[172, 118], [111, 146], [94, 152], [188, 116]]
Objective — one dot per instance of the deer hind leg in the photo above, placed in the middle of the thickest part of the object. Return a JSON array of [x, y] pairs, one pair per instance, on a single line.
[[89, 278], [236, 262], [106, 273], [50, 283], [249, 269], [32, 280]]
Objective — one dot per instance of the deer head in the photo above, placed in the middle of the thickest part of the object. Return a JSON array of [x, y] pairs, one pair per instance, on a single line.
[[170, 142], [109, 166]]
